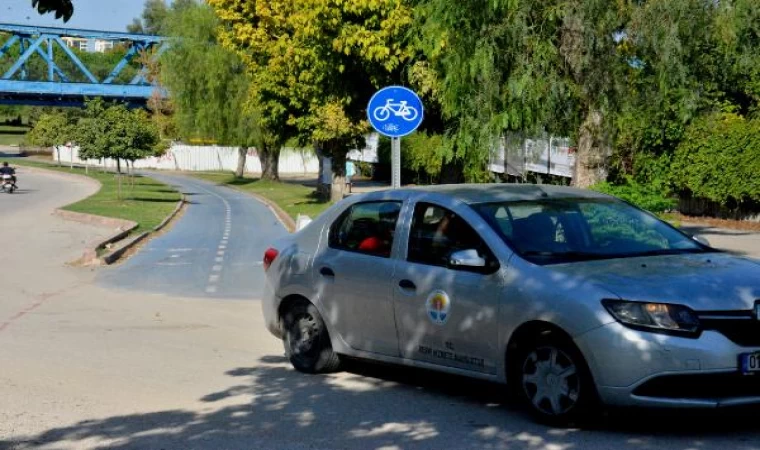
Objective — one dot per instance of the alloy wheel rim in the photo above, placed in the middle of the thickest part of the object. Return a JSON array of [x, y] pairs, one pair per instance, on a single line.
[[551, 381], [306, 332]]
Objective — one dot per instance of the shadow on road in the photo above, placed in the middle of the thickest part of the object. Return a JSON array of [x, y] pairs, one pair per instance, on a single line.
[[371, 406]]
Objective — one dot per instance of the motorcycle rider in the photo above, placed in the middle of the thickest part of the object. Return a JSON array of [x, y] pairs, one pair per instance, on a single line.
[[8, 170]]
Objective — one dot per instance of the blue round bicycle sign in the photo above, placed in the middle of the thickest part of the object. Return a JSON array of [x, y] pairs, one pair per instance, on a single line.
[[395, 111]]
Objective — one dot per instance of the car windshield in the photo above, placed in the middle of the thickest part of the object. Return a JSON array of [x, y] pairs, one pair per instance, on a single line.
[[571, 229]]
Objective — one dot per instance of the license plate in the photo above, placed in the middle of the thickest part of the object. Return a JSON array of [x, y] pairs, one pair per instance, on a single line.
[[749, 362]]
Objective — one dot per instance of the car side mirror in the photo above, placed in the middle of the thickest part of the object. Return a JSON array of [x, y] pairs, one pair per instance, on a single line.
[[701, 239], [466, 258]]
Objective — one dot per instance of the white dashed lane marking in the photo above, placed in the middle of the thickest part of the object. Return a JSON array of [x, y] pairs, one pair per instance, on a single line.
[[218, 267]]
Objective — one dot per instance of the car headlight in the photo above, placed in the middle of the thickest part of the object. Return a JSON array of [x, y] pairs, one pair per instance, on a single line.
[[657, 317]]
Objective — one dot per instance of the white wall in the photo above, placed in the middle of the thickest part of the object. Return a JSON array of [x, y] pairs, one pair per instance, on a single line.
[[206, 158]]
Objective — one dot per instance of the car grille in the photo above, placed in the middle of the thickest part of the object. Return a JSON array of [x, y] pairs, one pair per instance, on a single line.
[[710, 386], [741, 327]]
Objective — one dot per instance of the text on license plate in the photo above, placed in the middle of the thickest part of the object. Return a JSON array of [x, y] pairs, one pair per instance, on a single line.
[[749, 362]]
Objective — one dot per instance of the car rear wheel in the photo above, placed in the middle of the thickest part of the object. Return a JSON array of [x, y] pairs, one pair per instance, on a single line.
[[307, 343], [554, 381]]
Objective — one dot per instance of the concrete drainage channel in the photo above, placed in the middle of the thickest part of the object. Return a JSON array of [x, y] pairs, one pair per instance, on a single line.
[[114, 247]]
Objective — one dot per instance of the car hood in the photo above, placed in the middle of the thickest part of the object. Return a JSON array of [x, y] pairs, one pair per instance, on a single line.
[[704, 282]]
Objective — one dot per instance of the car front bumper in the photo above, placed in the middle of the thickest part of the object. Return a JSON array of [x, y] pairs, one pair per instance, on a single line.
[[635, 368]]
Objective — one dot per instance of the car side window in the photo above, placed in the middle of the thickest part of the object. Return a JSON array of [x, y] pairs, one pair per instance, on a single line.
[[366, 228], [436, 233]]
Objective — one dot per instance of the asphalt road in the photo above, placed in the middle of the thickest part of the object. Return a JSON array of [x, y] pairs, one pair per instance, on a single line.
[[84, 365], [215, 250]]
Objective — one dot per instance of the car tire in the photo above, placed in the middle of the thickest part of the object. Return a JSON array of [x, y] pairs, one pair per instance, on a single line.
[[553, 381], [306, 340]]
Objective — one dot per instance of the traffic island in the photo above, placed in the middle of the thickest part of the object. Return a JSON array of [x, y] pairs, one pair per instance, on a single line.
[[134, 206], [287, 200]]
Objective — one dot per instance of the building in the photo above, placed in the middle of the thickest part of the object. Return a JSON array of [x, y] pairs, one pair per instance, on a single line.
[[89, 45], [77, 43], [102, 46]]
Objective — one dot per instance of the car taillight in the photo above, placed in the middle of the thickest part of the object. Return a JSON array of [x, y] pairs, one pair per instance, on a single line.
[[269, 257]]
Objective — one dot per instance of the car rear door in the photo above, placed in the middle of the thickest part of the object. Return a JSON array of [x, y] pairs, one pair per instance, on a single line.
[[354, 272], [445, 316]]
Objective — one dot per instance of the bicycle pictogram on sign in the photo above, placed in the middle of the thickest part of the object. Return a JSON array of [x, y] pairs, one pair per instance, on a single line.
[[398, 109], [395, 111]]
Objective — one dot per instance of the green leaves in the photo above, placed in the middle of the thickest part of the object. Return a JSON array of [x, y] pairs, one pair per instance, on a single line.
[[719, 159], [50, 130], [317, 62], [209, 85], [113, 131]]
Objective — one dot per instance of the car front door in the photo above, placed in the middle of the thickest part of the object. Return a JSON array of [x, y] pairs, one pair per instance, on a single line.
[[446, 316], [354, 273]]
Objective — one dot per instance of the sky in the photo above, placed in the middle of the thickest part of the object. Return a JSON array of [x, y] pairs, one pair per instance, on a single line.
[[104, 15]]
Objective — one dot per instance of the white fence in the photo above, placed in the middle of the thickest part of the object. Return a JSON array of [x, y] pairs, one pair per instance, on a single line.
[[205, 158], [517, 154]]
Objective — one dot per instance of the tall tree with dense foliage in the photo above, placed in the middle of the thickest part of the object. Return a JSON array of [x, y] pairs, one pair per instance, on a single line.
[[316, 63], [694, 58], [523, 66], [153, 19], [210, 87]]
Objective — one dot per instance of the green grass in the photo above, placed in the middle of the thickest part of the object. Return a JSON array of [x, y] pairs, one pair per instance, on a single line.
[[148, 203], [293, 198], [12, 135]]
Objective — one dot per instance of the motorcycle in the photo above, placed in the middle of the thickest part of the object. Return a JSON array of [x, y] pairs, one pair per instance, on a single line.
[[7, 184]]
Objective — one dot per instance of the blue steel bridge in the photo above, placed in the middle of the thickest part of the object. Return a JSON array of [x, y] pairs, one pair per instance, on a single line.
[[61, 77]]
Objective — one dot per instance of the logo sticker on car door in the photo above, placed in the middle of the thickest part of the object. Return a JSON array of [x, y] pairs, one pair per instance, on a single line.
[[438, 306]]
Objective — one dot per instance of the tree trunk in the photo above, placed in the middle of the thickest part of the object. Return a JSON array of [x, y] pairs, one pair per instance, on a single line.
[[592, 151], [118, 166], [242, 155], [338, 186], [322, 191], [269, 157]]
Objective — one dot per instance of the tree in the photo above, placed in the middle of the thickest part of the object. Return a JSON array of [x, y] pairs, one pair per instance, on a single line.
[[209, 88], [51, 130], [113, 131], [526, 66], [152, 19], [692, 58], [316, 63]]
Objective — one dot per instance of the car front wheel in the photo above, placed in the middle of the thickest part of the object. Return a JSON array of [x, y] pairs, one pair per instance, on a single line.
[[554, 381], [307, 343]]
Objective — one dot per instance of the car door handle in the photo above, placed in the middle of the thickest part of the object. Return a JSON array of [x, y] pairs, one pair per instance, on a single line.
[[326, 272], [406, 284]]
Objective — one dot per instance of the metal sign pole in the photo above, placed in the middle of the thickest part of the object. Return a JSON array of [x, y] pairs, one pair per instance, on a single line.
[[395, 163], [394, 112]]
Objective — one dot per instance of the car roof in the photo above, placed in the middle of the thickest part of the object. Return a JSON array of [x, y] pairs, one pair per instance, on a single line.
[[503, 192]]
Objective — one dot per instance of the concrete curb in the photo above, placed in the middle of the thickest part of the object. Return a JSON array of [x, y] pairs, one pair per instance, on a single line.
[[90, 255], [278, 212], [116, 254], [124, 227], [91, 219]]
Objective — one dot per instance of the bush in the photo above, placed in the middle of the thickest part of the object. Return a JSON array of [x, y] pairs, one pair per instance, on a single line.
[[645, 196], [421, 157], [719, 160]]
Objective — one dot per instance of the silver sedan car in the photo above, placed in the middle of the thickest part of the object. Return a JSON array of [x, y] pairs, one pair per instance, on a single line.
[[570, 297]]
